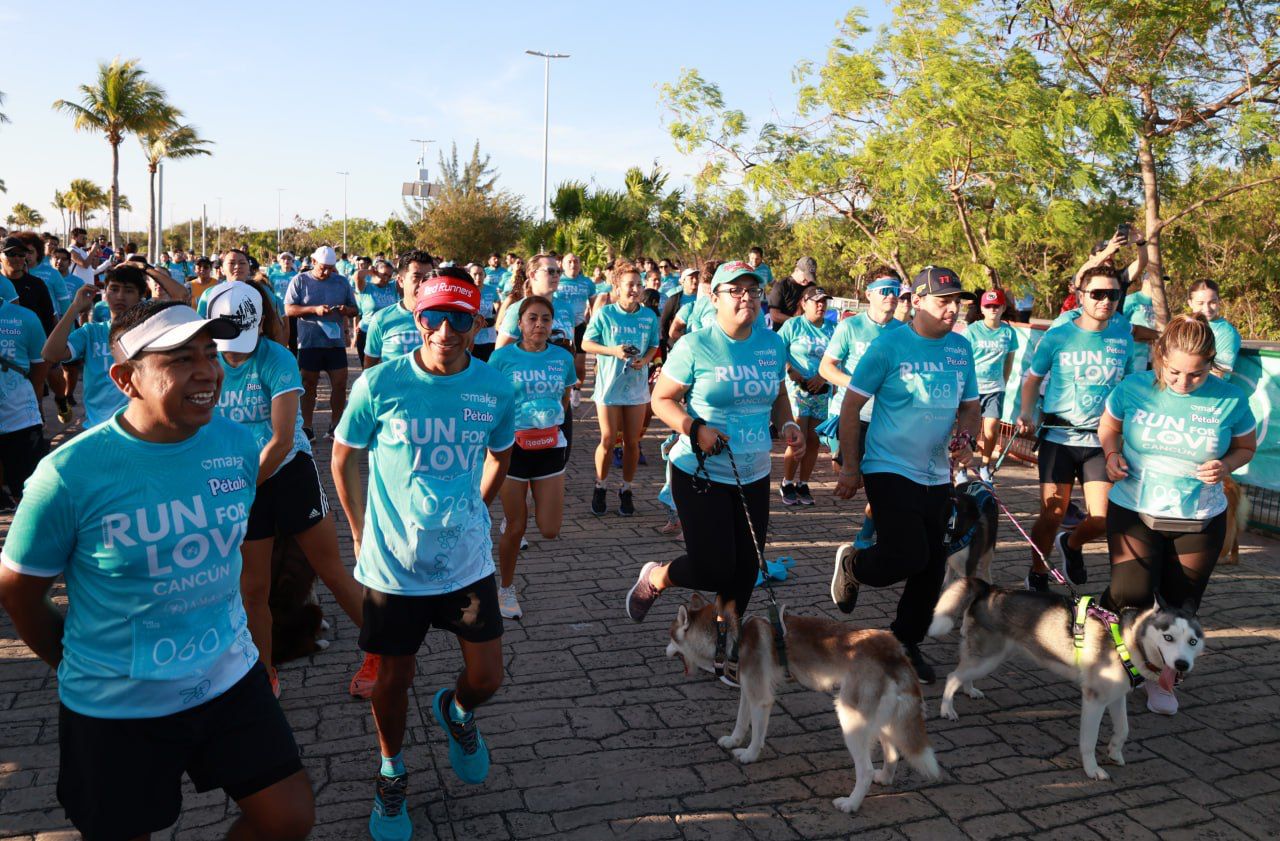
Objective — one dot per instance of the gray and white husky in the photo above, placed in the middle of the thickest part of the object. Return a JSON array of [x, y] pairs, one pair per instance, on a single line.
[[877, 692], [1162, 641]]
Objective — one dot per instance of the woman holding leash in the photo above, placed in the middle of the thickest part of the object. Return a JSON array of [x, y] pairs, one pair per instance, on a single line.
[[806, 338], [1170, 436], [720, 388], [542, 376]]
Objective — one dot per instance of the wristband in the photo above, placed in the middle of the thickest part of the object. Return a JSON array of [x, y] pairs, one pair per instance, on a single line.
[[792, 423], [693, 432], [1108, 456]]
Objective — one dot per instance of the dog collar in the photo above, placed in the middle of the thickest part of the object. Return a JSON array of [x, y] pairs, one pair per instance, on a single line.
[[1084, 608]]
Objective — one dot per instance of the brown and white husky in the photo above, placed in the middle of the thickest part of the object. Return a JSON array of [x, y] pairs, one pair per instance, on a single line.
[[877, 693]]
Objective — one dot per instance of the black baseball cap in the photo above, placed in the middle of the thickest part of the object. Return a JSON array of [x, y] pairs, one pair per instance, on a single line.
[[13, 245], [936, 280]]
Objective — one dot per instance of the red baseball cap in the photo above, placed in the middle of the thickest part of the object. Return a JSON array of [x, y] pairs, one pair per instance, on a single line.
[[447, 293], [993, 297]]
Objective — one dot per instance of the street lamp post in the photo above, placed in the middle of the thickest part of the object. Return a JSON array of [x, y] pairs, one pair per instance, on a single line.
[[279, 227], [344, 210], [546, 116], [219, 224], [422, 165]]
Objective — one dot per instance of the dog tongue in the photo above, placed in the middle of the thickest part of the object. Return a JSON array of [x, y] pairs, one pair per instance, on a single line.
[[1167, 677]]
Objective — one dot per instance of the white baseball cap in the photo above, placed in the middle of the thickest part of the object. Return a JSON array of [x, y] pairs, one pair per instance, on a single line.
[[240, 303], [170, 328], [325, 256]]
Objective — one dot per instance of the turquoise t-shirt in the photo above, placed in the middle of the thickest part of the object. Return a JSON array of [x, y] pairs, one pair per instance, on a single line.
[[102, 398], [703, 315], [248, 390], [561, 320], [21, 343], [539, 381], [1139, 309], [373, 299], [617, 383], [766, 275], [604, 287], [180, 272], [1167, 436], [101, 313], [426, 528], [1082, 367], [806, 343], [1227, 340], [1073, 314], [850, 341], [505, 282], [148, 539], [576, 293], [488, 308], [990, 348], [392, 334], [732, 386], [56, 284], [280, 282], [8, 291], [919, 385]]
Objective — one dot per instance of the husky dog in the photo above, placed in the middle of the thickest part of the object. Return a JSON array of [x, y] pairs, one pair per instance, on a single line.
[[878, 694], [1162, 641], [971, 535]]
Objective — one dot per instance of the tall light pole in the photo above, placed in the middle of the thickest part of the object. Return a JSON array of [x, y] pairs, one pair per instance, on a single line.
[[219, 224], [546, 116], [344, 210], [422, 165], [279, 228]]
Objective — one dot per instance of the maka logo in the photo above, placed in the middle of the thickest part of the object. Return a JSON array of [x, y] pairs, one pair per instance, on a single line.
[[222, 463]]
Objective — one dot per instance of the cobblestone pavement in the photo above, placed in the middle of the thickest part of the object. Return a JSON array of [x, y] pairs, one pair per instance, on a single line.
[[596, 734]]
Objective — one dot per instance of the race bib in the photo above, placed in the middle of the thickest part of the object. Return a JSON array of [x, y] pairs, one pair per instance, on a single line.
[[332, 329], [164, 649], [1091, 398], [1168, 492], [749, 432], [935, 390]]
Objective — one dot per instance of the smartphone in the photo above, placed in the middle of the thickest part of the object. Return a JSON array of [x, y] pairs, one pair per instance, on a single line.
[[1125, 231]]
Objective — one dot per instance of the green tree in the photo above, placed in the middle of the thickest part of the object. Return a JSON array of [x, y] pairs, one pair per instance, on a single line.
[[460, 226], [25, 216], [475, 176], [120, 101], [172, 142]]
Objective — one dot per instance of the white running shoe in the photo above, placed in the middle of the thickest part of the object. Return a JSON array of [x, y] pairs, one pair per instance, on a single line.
[[507, 604], [575, 398], [502, 529], [963, 475], [984, 473]]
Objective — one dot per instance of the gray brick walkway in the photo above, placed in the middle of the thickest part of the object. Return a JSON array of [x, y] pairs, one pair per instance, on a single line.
[[596, 734]]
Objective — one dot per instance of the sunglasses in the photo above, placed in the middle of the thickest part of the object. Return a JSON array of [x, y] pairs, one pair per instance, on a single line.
[[459, 322], [1103, 294]]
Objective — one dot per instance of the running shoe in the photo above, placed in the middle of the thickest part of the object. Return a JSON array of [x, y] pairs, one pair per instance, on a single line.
[[507, 604], [642, 594], [1072, 560], [599, 503], [502, 529], [64, 409], [1037, 582], [924, 671], [643, 460], [575, 398], [617, 456], [275, 684], [844, 587], [963, 475], [788, 494], [1073, 517], [363, 680], [1160, 701], [802, 490], [390, 818], [672, 526], [984, 473], [626, 506], [468, 754]]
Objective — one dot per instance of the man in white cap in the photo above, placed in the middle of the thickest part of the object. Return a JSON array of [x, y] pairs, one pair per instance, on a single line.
[[321, 300], [158, 677]]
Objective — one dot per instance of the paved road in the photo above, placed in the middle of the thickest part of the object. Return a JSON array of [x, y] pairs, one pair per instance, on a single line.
[[596, 734]]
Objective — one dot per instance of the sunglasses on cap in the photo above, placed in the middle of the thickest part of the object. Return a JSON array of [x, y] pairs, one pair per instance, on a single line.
[[1103, 294], [459, 322]]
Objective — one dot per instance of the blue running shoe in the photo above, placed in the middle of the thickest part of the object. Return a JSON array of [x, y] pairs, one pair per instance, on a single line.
[[617, 456], [468, 754], [390, 818]]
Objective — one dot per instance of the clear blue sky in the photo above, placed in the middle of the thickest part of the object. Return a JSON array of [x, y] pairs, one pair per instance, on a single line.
[[294, 92]]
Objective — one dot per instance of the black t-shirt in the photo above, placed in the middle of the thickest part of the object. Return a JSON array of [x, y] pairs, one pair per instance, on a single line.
[[785, 297], [34, 295]]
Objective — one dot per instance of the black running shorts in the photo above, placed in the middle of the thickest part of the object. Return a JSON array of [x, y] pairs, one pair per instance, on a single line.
[[396, 625], [322, 358], [1064, 464], [121, 778], [579, 333], [290, 502], [530, 465]]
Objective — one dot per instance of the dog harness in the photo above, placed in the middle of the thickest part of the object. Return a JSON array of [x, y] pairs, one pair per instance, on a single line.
[[1086, 607], [982, 495]]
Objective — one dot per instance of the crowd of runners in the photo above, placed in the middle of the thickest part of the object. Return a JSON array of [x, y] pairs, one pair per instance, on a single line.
[[199, 381]]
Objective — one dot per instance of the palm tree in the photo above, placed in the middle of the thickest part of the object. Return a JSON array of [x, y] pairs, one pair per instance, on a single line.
[[59, 204], [122, 100], [173, 142], [4, 118], [82, 198], [25, 216]]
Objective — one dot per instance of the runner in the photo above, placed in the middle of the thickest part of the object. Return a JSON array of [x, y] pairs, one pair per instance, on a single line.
[[375, 291], [282, 271], [393, 333], [806, 339], [544, 280], [260, 390], [849, 342], [321, 300], [157, 674], [1171, 436], [924, 385], [88, 345], [784, 297], [1084, 359], [994, 344], [755, 259], [624, 338], [1203, 298], [689, 282], [485, 281], [542, 376], [89, 260], [22, 376], [439, 427], [721, 386], [576, 291]]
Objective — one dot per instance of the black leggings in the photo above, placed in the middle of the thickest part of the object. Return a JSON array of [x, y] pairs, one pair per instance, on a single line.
[[719, 555], [20, 452], [1144, 561], [911, 530], [361, 337]]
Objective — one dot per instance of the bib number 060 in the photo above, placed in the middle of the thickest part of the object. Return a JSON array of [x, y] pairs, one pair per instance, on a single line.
[[166, 649]]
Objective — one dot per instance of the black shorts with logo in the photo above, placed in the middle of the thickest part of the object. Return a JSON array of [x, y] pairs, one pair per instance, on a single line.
[[396, 625], [121, 778], [1064, 464], [290, 502]]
